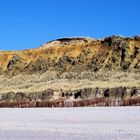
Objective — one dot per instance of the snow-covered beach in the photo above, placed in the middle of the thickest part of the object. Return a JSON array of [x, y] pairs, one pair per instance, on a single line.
[[102, 123]]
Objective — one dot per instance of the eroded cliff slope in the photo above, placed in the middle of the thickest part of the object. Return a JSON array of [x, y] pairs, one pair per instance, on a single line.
[[71, 64], [74, 55]]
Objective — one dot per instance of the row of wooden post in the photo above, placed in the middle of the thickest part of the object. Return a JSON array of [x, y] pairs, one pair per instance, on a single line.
[[73, 103]]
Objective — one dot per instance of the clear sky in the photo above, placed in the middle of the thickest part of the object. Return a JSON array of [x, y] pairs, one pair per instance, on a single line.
[[29, 23]]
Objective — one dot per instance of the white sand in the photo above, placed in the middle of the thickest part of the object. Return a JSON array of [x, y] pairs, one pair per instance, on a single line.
[[102, 123]]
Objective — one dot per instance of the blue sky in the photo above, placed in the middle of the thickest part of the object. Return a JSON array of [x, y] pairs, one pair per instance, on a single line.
[[29, 23]]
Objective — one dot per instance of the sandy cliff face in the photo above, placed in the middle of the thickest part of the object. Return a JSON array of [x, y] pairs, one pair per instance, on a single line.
[[75, 55], [69, 65]]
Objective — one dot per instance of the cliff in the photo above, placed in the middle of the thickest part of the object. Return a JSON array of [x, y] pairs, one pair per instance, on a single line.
[[75, 55], [70, 64]]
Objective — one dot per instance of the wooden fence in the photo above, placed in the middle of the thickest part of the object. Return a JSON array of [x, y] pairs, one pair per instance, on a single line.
[[135, 101]]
